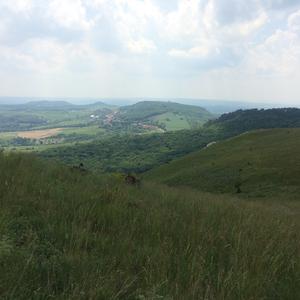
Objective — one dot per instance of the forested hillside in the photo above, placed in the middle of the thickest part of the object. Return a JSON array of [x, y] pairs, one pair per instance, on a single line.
[[132, 153], [244, 120]]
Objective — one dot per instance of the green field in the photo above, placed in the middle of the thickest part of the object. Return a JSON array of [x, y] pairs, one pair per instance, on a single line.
[[172, 121], [65, 234], [261, 163], [6, 136], [66, 136], [88, 130]]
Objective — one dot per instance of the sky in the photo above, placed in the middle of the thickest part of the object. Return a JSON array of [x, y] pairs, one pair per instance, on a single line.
[[245, 50]]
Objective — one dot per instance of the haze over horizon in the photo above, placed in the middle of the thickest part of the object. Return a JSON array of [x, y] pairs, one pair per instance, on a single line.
[[204, 49]]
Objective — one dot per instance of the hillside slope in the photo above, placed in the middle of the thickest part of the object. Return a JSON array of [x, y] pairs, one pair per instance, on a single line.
[[251, 119], [258, 163], [168, 115], [67, 234], [139, 153]]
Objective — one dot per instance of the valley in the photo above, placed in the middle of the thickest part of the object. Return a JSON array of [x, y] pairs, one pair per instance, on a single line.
[[210, 210], [149, 150], [32, 124]]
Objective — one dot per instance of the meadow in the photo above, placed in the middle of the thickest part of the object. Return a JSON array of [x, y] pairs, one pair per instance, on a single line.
[[67, 234], [257, 164], [172, 121]]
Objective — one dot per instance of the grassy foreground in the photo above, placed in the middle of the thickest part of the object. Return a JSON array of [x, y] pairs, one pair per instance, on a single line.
[[69, 235]]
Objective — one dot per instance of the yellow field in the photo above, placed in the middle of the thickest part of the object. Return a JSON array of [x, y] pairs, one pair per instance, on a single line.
[[39, 134]]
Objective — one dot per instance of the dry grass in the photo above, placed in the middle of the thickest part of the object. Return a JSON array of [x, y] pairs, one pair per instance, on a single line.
[[39, 134]]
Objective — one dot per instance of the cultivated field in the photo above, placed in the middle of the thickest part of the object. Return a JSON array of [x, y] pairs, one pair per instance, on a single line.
[[39, 134]]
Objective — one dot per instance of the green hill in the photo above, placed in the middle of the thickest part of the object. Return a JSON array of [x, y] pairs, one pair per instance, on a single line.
[[168, 115], [259, 163], [68, 234], [244, 120], [48, 114], [139, 153]]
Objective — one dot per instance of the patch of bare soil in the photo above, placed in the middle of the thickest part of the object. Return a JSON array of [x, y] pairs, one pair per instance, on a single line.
[[39, 134]]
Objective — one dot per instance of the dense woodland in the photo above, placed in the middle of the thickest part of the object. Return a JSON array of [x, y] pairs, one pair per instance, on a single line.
[[244, 120], [132, 153], [18, 122]]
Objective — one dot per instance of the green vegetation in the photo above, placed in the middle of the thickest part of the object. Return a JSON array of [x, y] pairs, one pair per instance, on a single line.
[[132, 153], [166, 115], [65, 234], [259, 163], [20, 121], [67, 136], [48, 114], [244, 120], [172, 121], [82, 123], [139, 153]]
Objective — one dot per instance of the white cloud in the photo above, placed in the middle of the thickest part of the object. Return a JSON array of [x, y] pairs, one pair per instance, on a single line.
[[294, 21], [17, 6], [142, 46], [38, 55], [130, 39], [279, 54], [243, 29], [184, 22], [69, 13], [195, 52]]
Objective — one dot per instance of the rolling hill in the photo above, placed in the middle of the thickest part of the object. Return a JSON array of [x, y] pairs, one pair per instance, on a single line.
[[48, 114], [141, 152], [168, 115], [69, 234], [258, 163], [244, 120]]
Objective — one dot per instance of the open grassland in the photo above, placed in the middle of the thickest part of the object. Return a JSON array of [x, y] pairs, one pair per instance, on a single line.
[[87, 130], [6, 136], [260, 163], [65, 234], [172, 121]]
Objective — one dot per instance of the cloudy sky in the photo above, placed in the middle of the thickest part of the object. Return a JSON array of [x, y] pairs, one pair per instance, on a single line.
[[216, 49]]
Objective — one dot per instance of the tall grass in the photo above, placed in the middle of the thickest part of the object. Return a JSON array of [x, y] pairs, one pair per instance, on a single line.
[[69, 235]]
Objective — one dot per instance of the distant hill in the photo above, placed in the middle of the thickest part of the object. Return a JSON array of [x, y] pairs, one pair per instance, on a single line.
[[37, 114], [258, 163], [139, 153], [47, 104], [244, 120], [169, 115]]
